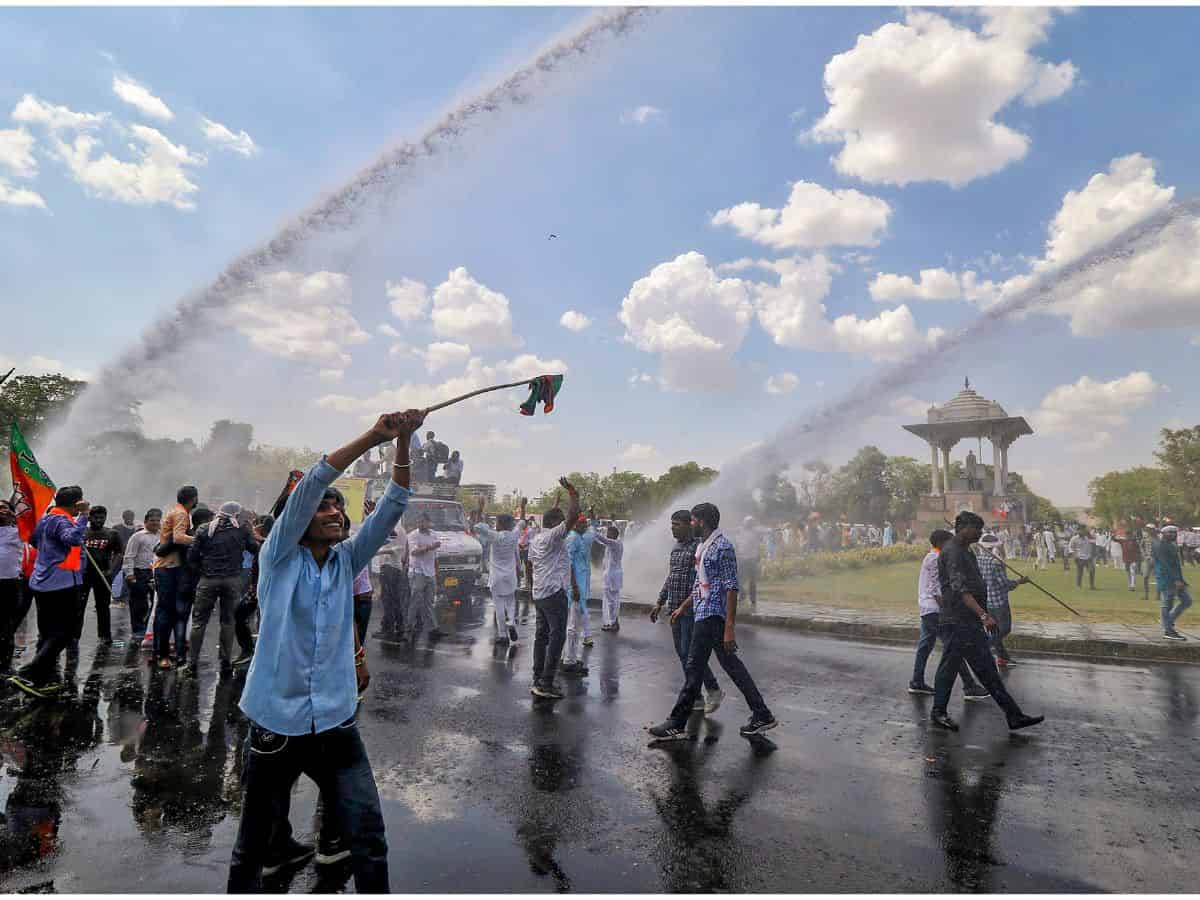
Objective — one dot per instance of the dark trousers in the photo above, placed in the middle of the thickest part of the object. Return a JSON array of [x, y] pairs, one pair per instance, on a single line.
[[549, 635], [681, 634], [708, 636], [337, 761], [929, 635], [969, 643], [393, 593], [241, 622], [57, 613], [185, 600], [213, 593], [141, 590], [166, 612], [362, 616], [15, 600], [1090, 566], [101, 591]]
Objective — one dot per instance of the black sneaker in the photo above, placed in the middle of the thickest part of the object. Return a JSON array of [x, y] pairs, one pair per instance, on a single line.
[[979, 692], [616, 626], [1173, 635], [243, 660], [291, 854], [548, 691], [942, 720], [226, 670], [331, 851], [919, 687], [512, 634], [1025, 722], [758, 725], [668, 732]]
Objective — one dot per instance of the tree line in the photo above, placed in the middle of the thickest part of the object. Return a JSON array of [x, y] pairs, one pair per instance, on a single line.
[[1151, 493]]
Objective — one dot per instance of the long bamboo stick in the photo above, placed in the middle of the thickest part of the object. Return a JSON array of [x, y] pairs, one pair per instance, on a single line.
[[495, 387]]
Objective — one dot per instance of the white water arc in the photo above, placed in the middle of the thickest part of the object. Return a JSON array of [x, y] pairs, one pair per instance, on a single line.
[[109, 394], [800, 437]]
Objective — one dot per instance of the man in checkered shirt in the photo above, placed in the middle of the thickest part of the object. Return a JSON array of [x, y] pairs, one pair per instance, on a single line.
[[714, 601], [681, 578], [998, 587]]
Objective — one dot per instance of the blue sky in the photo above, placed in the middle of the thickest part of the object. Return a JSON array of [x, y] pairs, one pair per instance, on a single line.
[[945, 140]]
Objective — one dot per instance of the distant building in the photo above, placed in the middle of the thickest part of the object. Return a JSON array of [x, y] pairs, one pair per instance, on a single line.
[[475, 491]]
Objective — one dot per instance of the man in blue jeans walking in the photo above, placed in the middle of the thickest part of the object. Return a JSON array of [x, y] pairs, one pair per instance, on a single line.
[[929, 603], [681, 576], [713, 600], [1173, 596], [302, 688]]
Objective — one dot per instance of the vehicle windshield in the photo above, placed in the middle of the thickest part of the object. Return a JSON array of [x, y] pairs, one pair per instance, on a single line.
[[442, 516]]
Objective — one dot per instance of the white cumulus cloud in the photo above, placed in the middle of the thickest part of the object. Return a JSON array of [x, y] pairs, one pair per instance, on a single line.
[[388, 331], [639, 452], [693, 319], [442, 354], [223, 137], [159, 174], [16, 152], [782, 383], [33, 111], [15, 196], [933, 284], [813, 217], [499, 440], [304, 318], [917, 100], [408, 299], [139, 97], [1087, 406], [464, 308], [574, 321]]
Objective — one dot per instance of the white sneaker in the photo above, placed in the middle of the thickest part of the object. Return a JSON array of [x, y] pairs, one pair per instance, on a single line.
[[714, 701]]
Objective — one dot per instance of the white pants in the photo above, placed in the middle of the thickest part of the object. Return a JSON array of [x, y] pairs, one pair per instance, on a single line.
[[506, 611], [612, 604], [1132, 568], [1041, 557], [571, 647]]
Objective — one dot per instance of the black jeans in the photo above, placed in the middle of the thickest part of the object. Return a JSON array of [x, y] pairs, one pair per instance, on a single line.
[[708, 636], [337, 761], [167, 584], [241, 622], [929, 634], [969, 643], [362, 617], [141, 589], [101, 590], [222, 594], [15, 600], [393, 594], [549, 636], [681, 634], [57, 613]]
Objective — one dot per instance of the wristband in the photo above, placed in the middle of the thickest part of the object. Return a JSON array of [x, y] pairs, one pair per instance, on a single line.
[[399, 466]]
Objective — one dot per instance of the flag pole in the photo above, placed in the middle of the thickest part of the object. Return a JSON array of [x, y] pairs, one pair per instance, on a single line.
[[468, 396]]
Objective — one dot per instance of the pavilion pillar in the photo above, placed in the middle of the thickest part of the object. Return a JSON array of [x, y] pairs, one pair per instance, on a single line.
[[946, 469], [1004, 465], [997, 468], [934, 487]]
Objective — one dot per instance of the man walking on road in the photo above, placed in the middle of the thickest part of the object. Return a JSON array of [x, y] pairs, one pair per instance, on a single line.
[[216, 553], [1173, 596], [965, 625], [393, 586], [999, 585], [714, 602], [612, 576], [422, 580], [579, 622], [168, 572], [501, 542], [56, 582], [551, 581], [103, 551], [302, 688], [929, 603], [138, 568], [681, 576]]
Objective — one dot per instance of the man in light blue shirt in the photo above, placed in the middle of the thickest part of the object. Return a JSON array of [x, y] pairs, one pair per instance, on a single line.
[[579, 549], [308, 670]]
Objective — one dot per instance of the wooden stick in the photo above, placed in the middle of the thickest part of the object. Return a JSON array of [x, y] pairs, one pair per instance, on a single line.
[[7, 374], [496, 387]]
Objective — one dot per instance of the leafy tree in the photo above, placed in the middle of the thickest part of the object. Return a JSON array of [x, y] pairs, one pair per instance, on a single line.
[[34, 400], [1179, 454], [678, 480], [1121, 496], [905, 480]]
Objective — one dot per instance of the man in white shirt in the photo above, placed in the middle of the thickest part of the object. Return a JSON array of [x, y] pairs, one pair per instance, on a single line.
[[393, 586], [12, 608], [613, 575], [1046, 545], [1084, 551], [502, 574], [551, 581], [138, 567], [454, 468], [929, 603], [422, 580]]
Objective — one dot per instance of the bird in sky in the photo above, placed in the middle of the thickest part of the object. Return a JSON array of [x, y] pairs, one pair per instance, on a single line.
[[552, 237]]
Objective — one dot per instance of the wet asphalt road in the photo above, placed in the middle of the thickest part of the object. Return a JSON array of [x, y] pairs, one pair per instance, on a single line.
[[132, 785]]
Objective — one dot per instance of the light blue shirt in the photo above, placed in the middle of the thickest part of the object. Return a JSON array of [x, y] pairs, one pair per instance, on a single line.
[[302, 678], [579, 549]]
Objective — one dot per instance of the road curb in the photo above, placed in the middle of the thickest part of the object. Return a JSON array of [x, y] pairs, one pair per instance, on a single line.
[[1091, 649]]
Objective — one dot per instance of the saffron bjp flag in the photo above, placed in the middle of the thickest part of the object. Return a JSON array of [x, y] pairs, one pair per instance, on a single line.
[[542, 389], [33, 491]]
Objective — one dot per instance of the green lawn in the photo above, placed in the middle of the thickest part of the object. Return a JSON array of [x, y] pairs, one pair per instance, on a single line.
[[894, 587]]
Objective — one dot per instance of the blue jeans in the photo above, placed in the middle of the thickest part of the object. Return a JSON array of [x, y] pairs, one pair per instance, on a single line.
[[166, 611], [930, 623], [681, 633], [1165, 600], [337, 761]]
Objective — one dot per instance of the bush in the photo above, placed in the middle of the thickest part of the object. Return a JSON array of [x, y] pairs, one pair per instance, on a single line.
[[844, 561]]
